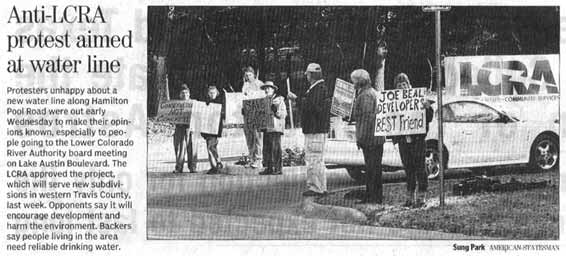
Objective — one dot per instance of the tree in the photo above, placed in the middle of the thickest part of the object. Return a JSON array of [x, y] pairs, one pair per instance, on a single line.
[[211, 44]]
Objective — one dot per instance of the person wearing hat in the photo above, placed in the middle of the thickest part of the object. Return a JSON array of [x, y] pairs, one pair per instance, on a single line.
[[251, 89], [183, 141], [315, 120], [272, 136], [213, 96]]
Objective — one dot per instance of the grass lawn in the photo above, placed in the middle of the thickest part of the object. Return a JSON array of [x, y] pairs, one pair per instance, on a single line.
[[524, 214]]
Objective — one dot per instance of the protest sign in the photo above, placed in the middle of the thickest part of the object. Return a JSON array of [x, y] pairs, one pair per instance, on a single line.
[[343, 98], [258, 114], [234, 117], [520, 84], [206, 118], [400, 112], [175, 111]]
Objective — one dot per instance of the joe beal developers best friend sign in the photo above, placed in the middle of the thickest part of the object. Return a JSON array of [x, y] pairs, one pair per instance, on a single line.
[[400, 112]]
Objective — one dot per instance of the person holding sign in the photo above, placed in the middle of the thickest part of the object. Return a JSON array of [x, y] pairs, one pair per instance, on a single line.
[[213, 96], [412, 151], [316, 124], [183, 141], [272, 136], [364, 113], [252, 90]]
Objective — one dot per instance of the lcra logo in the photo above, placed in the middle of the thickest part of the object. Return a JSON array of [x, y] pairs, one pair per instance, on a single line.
[[509, 77]]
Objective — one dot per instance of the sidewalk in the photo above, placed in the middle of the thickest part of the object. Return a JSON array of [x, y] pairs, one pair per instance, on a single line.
[[230, 148]]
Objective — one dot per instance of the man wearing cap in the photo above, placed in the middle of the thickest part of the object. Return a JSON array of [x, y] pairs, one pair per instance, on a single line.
[[315, 119], [272, 136], [213, 96], [183, 141]]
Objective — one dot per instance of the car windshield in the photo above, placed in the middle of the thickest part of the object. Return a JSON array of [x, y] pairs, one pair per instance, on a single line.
[[514, 118], [507, 110]]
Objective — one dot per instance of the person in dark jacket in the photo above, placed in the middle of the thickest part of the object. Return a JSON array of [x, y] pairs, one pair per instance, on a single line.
[[213, 96], [184, 142], [412, 151], [364, 113], [315, 120], [272, 151]]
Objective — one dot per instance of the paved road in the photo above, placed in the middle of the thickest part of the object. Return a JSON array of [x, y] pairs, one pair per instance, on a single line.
[[240, 204], [243, 205], [241, 192]]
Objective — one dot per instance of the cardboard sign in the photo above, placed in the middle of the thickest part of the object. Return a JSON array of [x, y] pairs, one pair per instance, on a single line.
[[205, 118], [522, 85], [258, 114], [234, 105], [400, 112], [175, 111], [343, 98]]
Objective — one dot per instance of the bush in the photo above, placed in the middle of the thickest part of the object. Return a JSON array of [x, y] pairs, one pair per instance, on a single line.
[[294, 156]]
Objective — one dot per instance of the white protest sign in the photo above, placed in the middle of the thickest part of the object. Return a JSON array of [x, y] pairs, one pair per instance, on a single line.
[[343, 98], [400, 112], [234, 109], [206, 118], [175, 111]]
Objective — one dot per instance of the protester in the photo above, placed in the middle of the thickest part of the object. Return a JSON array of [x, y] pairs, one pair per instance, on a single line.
[[364, 113], [213, 96], [272, 136], [184, 142], [316, 124], [412, 151], [252, 89]]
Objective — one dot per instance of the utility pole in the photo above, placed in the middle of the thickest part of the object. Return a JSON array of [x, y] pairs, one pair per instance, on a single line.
[[437, 10]]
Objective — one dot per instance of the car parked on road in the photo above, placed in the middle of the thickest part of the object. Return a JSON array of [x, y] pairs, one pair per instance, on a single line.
[[476, 135]]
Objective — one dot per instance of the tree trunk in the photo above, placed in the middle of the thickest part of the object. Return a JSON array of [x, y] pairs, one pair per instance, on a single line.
[[162, 84], [158, 84]]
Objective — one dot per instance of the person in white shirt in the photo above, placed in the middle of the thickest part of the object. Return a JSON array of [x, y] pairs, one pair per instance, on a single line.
[[252, 90]]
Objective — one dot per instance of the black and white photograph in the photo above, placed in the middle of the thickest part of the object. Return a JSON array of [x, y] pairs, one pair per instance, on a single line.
[[452, 133]]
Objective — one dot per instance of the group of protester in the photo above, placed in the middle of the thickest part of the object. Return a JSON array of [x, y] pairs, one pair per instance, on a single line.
[[272, 152], [411, 147], [184, 139], [315, 114]]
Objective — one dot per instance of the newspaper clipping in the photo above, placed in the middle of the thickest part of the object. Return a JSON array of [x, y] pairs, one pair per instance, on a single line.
[[142, 127], [73, 104]]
